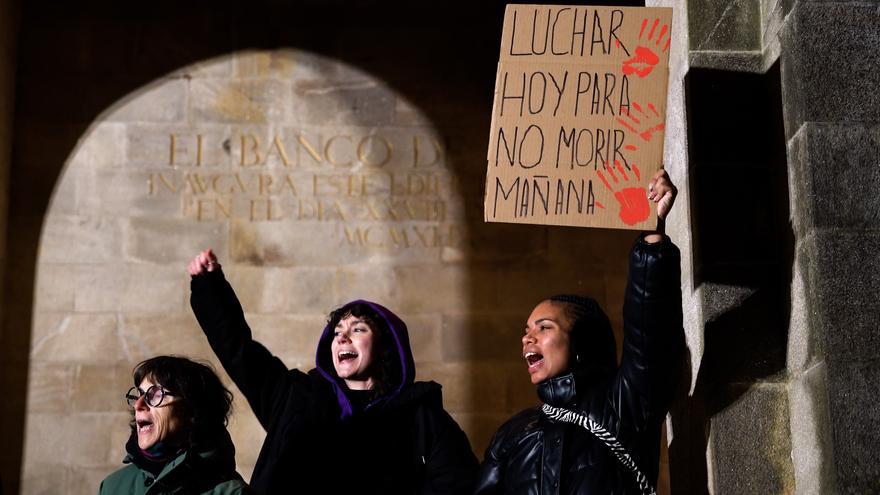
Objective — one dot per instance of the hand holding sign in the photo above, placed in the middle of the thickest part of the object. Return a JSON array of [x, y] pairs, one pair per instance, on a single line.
[[633, 202], [574, 109], [662, 191]]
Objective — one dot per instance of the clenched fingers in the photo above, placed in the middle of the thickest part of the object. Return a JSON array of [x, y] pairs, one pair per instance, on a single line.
[[662, 191], [204, 261]]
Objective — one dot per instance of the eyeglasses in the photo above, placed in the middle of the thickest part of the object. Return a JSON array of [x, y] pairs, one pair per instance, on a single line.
[[153, 396]]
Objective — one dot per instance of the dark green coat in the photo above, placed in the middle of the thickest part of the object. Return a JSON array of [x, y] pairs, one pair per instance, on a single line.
[[208, 471]]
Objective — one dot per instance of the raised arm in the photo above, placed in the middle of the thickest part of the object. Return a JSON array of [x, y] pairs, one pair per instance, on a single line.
[[260, 376], [653, 344]]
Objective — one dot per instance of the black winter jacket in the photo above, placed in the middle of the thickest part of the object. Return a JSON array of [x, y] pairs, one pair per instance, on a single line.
[[317, 441], [531, 454]]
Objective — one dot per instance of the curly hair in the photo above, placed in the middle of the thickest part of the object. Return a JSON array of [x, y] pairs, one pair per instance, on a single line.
[[206, 404], [386, 366]]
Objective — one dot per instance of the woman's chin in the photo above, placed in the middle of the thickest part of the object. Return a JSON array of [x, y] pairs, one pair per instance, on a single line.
[[537, 377], [537, 372], [145, 441]]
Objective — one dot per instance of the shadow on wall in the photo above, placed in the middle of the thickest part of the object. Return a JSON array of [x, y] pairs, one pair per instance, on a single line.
[[743, 256], [103, 51]]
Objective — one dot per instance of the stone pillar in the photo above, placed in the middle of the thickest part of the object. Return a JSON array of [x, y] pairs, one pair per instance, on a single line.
[[829, 66], [794, 410], [733, 431], [8, 32]]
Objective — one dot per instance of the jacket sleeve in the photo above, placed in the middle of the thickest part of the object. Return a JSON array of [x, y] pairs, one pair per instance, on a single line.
[[504, 444], [258, 374], [491, 471], [653, 343], [450, 466]]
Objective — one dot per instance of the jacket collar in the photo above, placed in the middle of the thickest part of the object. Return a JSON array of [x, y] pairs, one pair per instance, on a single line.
[[217, 455], [558, 391]]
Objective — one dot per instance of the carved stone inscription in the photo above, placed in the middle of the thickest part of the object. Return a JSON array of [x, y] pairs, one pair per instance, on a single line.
[[313, 181], [386, 190]]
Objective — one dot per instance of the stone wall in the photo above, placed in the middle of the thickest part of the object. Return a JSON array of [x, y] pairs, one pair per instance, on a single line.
[[314, 183], [113, 197], [788, 354], [832, 113], [733, 430]]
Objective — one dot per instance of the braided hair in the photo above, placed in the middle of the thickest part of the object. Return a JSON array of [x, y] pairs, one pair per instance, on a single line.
[[592, 350]]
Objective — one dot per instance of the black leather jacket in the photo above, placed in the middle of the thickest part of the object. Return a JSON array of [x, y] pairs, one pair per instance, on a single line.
[[530, 454]]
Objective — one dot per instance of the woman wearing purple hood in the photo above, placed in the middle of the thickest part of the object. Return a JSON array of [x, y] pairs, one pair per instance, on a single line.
[[357, 422]]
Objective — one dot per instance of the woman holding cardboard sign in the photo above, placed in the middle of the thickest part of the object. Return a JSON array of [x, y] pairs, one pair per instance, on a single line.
[[600, 426]]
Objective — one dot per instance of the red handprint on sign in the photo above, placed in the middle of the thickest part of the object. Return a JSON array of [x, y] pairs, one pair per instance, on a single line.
[[633, 201], [643, 62], [646, 121]]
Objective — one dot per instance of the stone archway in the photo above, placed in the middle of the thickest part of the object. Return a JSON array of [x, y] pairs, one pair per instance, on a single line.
[[315, 184]]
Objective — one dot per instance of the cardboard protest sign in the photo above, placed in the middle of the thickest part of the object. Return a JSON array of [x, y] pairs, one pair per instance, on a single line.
[[578, 117]]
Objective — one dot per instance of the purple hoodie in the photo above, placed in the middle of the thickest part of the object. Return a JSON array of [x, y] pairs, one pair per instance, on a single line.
[[400, 336]]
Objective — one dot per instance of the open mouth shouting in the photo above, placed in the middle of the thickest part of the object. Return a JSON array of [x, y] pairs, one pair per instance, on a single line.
[[534, 360], [159, 423], [148, 432], [352, 352], [346, 357], [545, 343], [144, 427], [350, 362]]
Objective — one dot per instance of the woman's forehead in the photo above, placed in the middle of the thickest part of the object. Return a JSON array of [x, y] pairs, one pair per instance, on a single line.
[[147, 381], [549, 310], [351, 319]]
